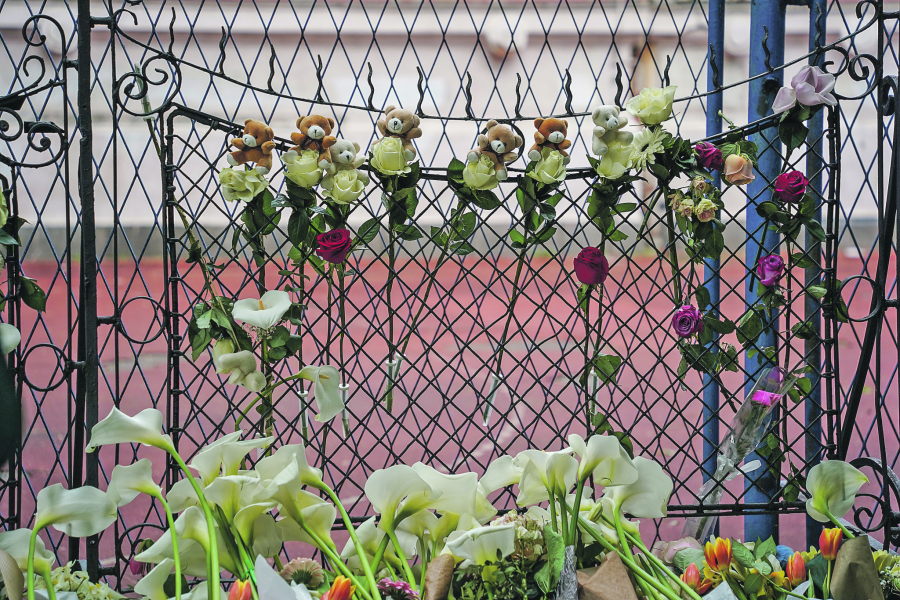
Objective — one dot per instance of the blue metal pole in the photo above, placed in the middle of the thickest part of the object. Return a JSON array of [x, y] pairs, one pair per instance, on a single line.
[[766, 22], [813, 275], [711, 392]]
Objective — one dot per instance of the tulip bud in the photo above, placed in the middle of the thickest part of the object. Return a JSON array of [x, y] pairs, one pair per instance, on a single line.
[[692, 578], [341, 589], [830, 542], [795, 570], [718, 554], [240, 590]]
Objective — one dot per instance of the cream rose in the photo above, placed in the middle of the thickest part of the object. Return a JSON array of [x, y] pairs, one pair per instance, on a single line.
[[653, 105], [240, 184], [388, 157], [550, 168], [302, 169], [705, 210], [686, 208], [344, 187], [616, 161], [738, 169], [480, 175], [675, 200]]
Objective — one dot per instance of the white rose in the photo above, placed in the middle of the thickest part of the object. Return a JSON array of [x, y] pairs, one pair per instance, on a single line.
[[345, 187], [653, 105], [550, 168], [480, 175], [616, 161], [241, 184], [388, 157], [302, 169]]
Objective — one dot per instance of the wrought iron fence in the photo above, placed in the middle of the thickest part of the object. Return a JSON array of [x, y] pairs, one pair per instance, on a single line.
[[149, 198]]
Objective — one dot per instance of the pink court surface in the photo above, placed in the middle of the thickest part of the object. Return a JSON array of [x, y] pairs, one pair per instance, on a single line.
[[47, 424]]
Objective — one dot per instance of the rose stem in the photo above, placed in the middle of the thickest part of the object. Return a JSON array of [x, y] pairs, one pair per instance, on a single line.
[[259, 256], [389, 398], [673, 253], [512, 307], [599, 315], [587, 351]]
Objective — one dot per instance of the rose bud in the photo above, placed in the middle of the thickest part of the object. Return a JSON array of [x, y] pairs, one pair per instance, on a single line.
[[739, 169], [790, 187], [334, 245], [770, 269], [700, 185], [591, 267], [708, 156]]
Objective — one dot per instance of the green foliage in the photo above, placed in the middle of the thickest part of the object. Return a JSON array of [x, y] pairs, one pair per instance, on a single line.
[[548, 575], [32, 294]]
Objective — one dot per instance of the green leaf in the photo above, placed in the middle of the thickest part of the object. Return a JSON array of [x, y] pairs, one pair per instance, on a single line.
[[688, 556], [792, 134], [808, 205], [817, 568], [409, 232], [659, 171], [742, 554], [199, 338], [764, 549], [545, 234], [816, 291], [617, 236], [455, 169], [465, 225], [516, 238], [486, 200], [767, 209], [749, 327], [606, 366], [548, 576], [462, 248], [706, 336], [699, 357], [368, 231], [701, 295], [298, 227], [723, 327], [754, 583], [800, 259], [279, 336], [7, 240], [32, 294], [804, 331], [815, 229], [220, 318], [624, 207], [728, 360]]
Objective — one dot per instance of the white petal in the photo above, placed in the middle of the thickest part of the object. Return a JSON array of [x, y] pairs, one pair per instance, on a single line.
[[271, 585], [457, 491], [386, 488], [647, 497], [271, 466], [15, 543], [152, 585], [832, 486], [80, 512], [9, 338], [225, 455], [181, 496], [127, 482], [500, 473], [274, 304], [193, 557], [254, 382], [605, 458], [266, 537], [327, 395], [531, 486], [484, 544], [118, 428], [242, 363]]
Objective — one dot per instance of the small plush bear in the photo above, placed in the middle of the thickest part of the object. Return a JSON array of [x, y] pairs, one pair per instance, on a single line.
[[607, 128], [400, 123], [344, 156], [499, 143], [254, 146], [551, 133], [315, 133]]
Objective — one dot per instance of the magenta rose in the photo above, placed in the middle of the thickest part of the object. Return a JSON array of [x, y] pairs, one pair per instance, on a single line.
[[687, 321], [770, 269], [708, 156], [765, 398], [591, 267], [790, 187], [334, 245]]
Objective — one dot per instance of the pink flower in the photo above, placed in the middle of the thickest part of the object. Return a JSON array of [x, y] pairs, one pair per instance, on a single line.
[[591, 267], [765, 398], [790, 187], [666, 551], [708, 156], [397, 590], [770, 269], [687, 321], [810, 87]]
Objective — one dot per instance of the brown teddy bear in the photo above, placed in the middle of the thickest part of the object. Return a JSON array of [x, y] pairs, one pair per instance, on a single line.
[[499, 143], [254, 146], [400, 123], [551, 133], [315, 133]]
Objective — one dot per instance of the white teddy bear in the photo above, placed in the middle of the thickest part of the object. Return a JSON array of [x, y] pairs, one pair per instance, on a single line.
[[607, 127]]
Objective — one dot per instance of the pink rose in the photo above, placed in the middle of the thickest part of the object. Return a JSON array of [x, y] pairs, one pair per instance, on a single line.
[[739, 169], [811, 86], [666, 551], [708, 156], [790, 187], [765, 398], [334, 245], [591, 267], [770, 269], [687, 321]]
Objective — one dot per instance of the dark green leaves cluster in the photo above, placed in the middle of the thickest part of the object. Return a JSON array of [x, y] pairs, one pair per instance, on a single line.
[[538, 203], [213, 321], [400, 199], [259, 218], [605, 202], [678, 158], [792, 130], [787, 224], [483, 199]]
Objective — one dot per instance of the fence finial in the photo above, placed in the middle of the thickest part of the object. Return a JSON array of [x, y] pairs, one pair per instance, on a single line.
[[319, 77], [619, 87], [666, 82], [222, 52], [468, 93], [765, 45], [371, 89], [567, 86], [421, 92], [713, 67], [518, 95], [271, 67], [171, 31]]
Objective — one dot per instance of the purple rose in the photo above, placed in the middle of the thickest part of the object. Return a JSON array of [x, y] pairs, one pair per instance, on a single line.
[[770, 269], [708, 156], [687, 321], [334, 245], [790, 187], [810, 87], [591, 267], [765, 398]]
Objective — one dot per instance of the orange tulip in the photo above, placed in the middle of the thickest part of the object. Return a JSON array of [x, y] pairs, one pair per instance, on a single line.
[[796, 570], [691, 577], [240, 590], [718, 554], [341, 589], [830, 541]]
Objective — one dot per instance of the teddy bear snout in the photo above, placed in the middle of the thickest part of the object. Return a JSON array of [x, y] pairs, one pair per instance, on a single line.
[[346, 156], [498, 147], [556, 137], [612, 123], [316, 132], [249, 141], [395, 125]]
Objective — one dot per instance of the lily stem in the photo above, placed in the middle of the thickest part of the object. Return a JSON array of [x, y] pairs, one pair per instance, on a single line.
[[403, 562], [360, 551], [553, 522], [171, 521]]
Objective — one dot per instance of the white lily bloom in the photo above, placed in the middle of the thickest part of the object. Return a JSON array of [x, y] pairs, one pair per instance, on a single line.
[[271, 466], [182, 495], [9, 338], [80, 512], [387, 488], [319, 519], [603, 457], [458, 492], [271, 586], [191, 553], [241, 370], [143, 428], [286, 489], [191, 525], [832, 486], [225, 455], [544, 472], [231, 493], [127, 482], [419, 527], [266, 312], [219, 349], [502, 471], [15, 543], [265, 538], [370, 536], [152, 585], [484, 544], [646, 498], [326, 380]]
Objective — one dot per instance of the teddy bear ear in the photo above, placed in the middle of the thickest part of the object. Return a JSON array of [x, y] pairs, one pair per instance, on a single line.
[[299, 121], [416, 121], [248, 121], [491, 123], [331, 123], [270, 133], [519, 141], [537, 122], [356, 145], [389, 109]]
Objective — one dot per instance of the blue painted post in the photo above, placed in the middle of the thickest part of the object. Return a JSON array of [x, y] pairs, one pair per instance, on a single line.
[[765, 16], [711, 392], [813, 276]]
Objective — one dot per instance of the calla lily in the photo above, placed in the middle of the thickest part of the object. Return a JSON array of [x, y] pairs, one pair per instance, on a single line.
[[231, 493], [241, 370], [152, 585], [128, 482], [15, 543], [225, 455], [199, 592], [286, 488], [328, 398], [832, 485], [387, 488], [182, 495], [191, 525], [118, 428], [555, 471], [502, 472], [271, 586], [265, 313], [457, 491], [319, 519], [272, 466], [603, 457], [646, 498], [191, 554], [9, 338], [80, 512], [484, 544], [370, 536]]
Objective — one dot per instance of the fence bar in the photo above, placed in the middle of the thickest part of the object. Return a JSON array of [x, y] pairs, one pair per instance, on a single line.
[[766, 48], [711, 391], [813, 275]]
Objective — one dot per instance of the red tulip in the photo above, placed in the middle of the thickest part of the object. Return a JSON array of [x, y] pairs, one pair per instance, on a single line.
[[830, 541], [341, 589], [240, 590], [718, 554], [795, 570], [691, 577]]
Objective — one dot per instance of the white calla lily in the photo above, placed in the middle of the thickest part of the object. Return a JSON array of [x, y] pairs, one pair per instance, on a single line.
[[191, 554], [484, 544], [648, 496], [9, 338], [387, 488], [265, 538], [266, 312], [502, 471], [191, 525], [271, 586], [370, 536], [272, 466], [603, 457], [225, 455], [326, 380], [118, 428], [458, 492], [81, 512], [606, 507], [227, 493], [182, 495], [241, 370], [832, 486], [152, 585], [318, 518], [554, 471], [127, 482], [15, 543]]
